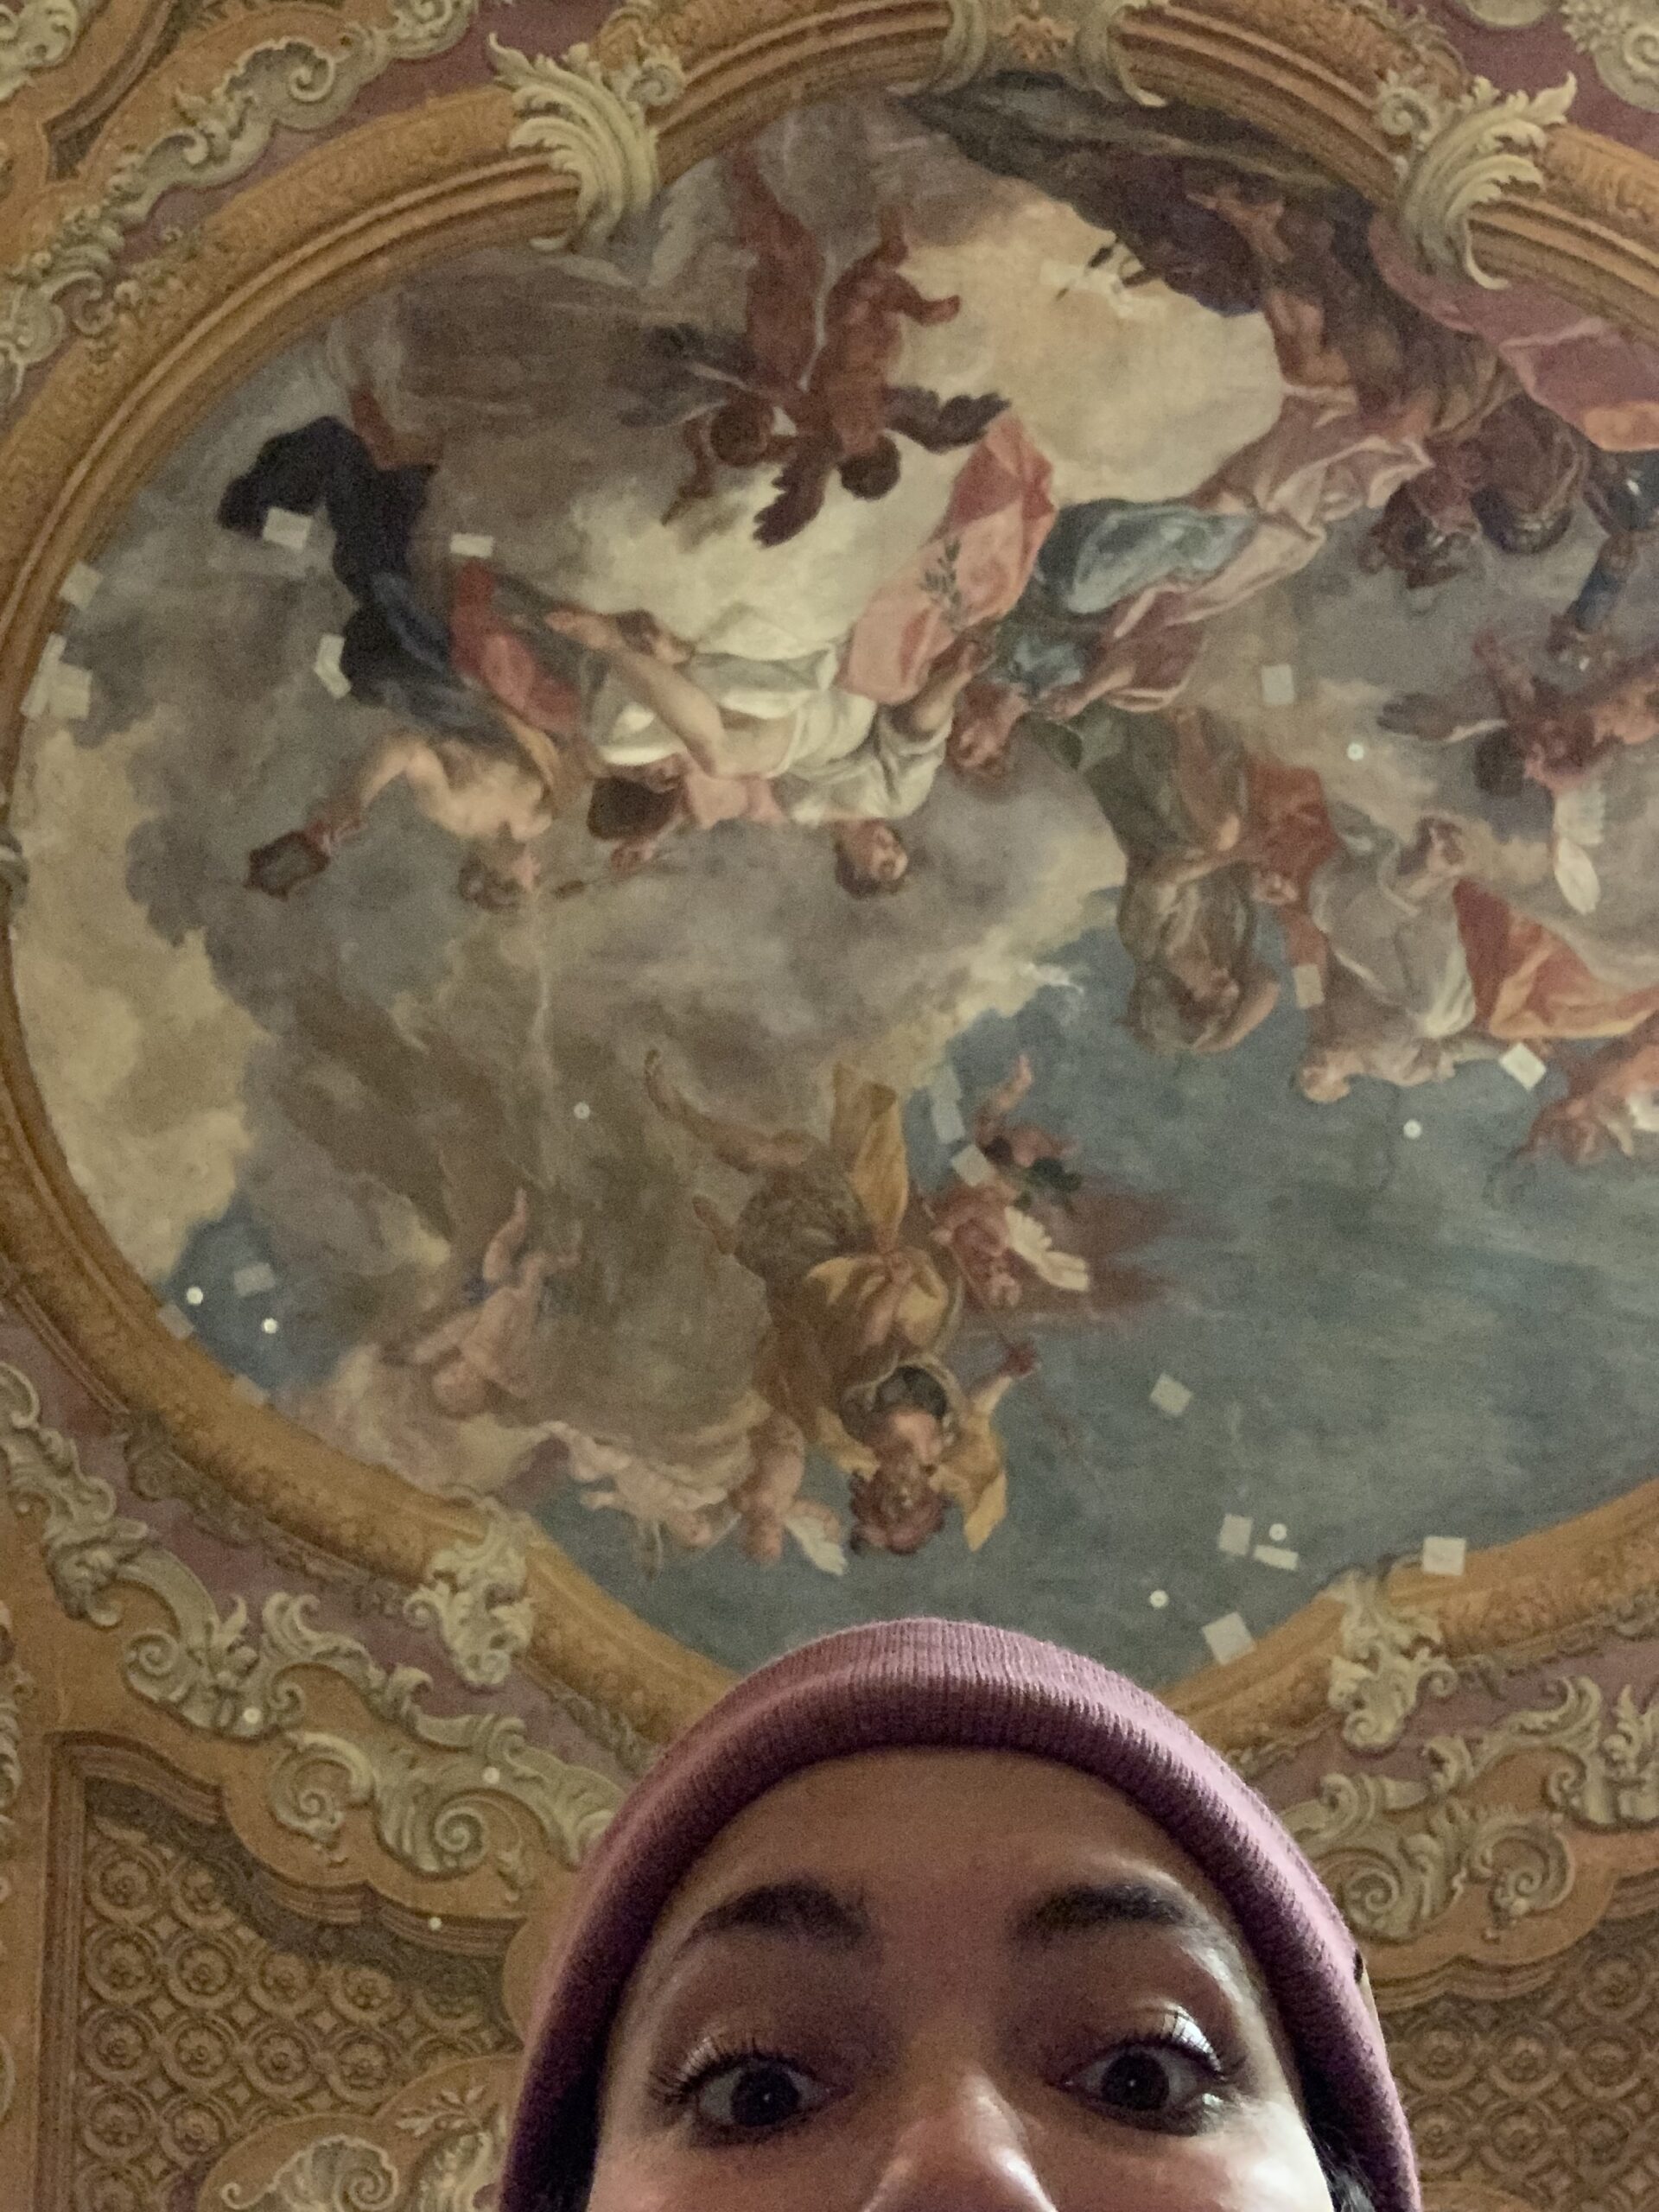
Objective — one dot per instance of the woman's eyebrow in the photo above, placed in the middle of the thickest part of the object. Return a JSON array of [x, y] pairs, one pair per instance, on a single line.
[[802, 1911], [1082, 1908]]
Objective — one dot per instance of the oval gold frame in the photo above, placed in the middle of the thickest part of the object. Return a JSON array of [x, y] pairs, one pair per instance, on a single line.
[[392, 195]]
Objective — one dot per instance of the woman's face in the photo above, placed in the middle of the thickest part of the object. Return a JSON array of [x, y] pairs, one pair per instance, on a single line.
[[949, 1981]]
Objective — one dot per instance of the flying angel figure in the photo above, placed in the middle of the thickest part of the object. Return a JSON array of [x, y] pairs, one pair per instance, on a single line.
[[1562, 741], [825, 372]]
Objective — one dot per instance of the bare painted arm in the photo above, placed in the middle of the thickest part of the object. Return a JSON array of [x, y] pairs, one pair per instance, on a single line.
[[1261, 996], [682, 707], [340, 815]]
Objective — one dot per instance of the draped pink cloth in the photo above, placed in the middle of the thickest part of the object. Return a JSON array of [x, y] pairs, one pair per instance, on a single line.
[[1570, 361], [971, 571]]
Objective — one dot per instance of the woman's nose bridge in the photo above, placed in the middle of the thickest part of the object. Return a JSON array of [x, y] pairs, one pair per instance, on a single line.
[[957, 2145]]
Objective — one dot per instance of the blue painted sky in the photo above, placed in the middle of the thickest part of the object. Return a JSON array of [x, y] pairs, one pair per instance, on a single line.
[[1386, 1338]]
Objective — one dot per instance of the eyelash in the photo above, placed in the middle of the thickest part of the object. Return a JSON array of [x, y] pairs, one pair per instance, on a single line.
[[677, 2088], [1222, 2071]]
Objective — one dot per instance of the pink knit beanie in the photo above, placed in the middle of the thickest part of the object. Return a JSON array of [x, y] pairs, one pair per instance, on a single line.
[[928, 1683]]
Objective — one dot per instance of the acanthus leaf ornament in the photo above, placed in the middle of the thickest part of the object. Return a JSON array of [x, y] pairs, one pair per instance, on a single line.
[[71, 286], [1389, 1657], [474, 1599], [337, 2173], [438, 1788], [37, 36], [458, 2163], [1460, 155], [1394, 1882], [1075, 38], [592, 124], [1620, 37]]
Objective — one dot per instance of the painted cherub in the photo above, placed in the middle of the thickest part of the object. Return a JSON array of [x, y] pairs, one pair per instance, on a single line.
[[1000, 1246], [861, 1313], [1612, 1099], [830, 383], [480, 1353]]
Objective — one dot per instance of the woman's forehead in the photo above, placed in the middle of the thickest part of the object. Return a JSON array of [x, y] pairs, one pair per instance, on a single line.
[[994, 1817]]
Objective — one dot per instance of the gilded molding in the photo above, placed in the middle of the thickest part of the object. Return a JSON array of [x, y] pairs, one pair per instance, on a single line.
[[11, 1790], [71, 286], [1076, 37], [38, 35], [436, 1788], [1463, 153], [592, 124]]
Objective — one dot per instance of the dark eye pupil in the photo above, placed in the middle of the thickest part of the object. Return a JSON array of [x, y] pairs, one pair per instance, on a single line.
[[1137, 2082], [764, 2096]]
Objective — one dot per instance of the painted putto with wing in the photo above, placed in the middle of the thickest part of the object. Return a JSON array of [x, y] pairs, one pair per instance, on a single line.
[[807, 388]]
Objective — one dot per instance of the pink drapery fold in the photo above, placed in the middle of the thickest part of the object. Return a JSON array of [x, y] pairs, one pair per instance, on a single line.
[[486, 648], [1578, 366], [971, 571]]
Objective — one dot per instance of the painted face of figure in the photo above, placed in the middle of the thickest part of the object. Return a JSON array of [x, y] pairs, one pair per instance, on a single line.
[[1439, 849], [1001, 1287], [658, 775], [740, 434], [949, 1981], [1274, 888], [906, 1439], [460, 1391], [872, 856], [981, 735], [498, 883], [1561, 743]]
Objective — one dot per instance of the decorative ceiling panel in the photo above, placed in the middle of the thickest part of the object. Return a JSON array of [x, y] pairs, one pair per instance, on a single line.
[[852, 803]]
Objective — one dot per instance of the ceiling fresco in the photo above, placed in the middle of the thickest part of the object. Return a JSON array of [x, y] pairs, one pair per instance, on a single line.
[[929, 889]]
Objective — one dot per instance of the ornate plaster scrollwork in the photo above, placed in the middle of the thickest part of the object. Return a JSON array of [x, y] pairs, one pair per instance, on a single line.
[[71, 286], [1401, 1852], [460, 2159], [1074, 37], [1620, 37], [474, 1599], [436, 1788], [593, 124], [37, 36], [337, 2173], [1389, 1657], [1460, 154], [1604, 1771], [1394, 1881]]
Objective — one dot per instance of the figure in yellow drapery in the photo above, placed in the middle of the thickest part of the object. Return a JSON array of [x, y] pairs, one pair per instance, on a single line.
[[861, 1314]]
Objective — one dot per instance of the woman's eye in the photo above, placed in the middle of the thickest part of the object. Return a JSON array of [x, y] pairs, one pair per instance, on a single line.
[[751, 2094], [1152, 2084]]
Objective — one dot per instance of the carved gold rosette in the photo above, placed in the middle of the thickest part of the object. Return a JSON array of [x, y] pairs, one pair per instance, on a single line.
[[121, 321]]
